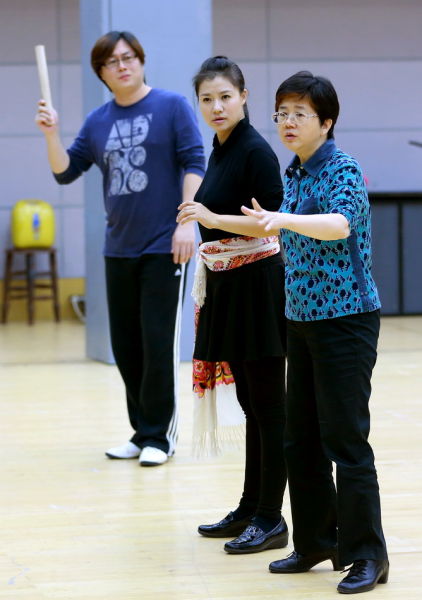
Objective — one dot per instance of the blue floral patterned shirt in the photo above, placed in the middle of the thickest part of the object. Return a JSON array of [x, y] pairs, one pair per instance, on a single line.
[[328, 279]]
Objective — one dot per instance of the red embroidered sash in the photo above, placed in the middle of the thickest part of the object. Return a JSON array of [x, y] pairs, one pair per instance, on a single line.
[[223, 255]]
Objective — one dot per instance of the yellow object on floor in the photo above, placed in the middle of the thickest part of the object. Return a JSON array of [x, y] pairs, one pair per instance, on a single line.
[[32, 224]]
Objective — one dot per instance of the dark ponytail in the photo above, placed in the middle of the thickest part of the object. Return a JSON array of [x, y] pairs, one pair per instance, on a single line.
[[223, 67]]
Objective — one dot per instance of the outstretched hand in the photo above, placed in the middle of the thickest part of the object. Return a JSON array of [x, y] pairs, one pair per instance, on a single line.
[[269, 220]]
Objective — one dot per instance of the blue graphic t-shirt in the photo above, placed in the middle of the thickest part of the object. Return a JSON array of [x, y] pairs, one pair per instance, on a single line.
[[143, 151], [327, 279]]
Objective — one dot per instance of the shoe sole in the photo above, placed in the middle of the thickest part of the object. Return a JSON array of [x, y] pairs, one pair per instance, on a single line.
[[366, 588], [279, 541], [113, 457]]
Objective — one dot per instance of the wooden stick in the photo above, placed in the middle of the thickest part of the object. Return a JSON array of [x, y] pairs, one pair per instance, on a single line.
[[43, 75]]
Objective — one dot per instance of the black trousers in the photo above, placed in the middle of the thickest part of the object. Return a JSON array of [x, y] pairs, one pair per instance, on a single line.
[[144, 301], [260, 388], [330, 365]]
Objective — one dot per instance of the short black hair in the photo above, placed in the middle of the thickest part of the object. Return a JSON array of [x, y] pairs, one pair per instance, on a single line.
[[318, 90]]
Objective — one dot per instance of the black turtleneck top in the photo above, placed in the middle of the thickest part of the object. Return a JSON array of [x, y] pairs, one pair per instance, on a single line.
[[242, 168]]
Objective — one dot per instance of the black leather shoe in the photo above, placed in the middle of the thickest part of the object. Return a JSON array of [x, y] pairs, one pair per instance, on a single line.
[[227, 527], [363, 576], [300, 563], [254, 539]]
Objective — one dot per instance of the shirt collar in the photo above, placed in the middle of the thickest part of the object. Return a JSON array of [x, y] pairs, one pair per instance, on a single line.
[[315, 163], [220, 149]]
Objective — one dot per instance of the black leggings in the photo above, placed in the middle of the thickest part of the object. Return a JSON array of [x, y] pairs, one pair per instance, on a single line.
[[260, 388]]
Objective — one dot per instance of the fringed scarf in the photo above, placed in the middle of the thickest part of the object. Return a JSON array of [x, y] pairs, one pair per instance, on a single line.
[[218, 417]]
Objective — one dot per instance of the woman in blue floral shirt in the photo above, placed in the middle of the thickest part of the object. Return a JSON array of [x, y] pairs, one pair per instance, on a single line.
[[332, 307]]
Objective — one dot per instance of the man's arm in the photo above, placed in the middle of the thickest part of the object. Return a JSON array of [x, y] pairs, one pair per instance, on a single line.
[[183, 242], [190, 154], [48, 122]]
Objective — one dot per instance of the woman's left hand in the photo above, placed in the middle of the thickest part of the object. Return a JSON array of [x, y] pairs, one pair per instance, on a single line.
[[268, 219], [195, 211]]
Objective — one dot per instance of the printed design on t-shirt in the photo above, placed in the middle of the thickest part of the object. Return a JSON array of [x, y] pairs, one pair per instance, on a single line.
[[125, 155]]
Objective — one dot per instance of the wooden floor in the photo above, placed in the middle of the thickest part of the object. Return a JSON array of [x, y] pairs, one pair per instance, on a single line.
[[77, 526]]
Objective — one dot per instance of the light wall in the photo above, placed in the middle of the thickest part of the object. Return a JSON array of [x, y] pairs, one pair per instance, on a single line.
[[370, 49]]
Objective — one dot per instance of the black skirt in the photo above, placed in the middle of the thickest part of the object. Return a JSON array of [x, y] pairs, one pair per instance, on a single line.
[[243, 314]]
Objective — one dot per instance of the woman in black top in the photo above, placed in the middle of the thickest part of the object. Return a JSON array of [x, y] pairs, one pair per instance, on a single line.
[[241, 319]]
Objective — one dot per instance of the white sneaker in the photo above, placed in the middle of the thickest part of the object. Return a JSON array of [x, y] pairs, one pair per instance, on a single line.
[[128, 450], [152, 457]]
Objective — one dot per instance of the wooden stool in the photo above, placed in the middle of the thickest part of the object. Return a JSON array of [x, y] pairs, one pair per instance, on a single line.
[[28, 277]]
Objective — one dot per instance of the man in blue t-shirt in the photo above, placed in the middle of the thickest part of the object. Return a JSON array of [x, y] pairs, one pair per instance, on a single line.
[[148, 147]]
